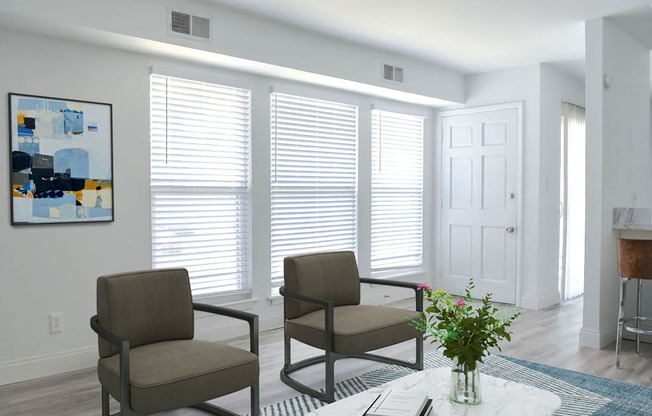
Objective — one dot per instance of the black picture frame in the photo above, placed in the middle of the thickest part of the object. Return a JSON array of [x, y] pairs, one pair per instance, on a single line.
[[61, 160]]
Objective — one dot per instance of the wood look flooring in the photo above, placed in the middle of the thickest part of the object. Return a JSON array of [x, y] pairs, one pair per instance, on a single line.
[[548, 337]]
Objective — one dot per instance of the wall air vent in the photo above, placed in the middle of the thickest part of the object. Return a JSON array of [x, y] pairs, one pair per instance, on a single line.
[[188, 25], [201, 27], [180, 23], [392, 73]]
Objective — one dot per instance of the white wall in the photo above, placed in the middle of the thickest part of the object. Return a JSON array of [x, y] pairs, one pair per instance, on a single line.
[[53, 268], [142, 24], [618, 163]]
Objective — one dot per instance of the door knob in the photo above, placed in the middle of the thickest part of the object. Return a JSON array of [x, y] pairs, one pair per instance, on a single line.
[[509, 229], [511, 195]]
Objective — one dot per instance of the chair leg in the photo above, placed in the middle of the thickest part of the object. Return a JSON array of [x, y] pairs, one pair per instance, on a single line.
[[287, 349], [105, 403], [329, 387], [329, 361], [418, 358], [125, 410], [638, 314], [621, 319], [255, 400]]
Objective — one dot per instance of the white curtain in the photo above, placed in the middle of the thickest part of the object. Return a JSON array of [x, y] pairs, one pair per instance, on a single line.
[[574, 137]]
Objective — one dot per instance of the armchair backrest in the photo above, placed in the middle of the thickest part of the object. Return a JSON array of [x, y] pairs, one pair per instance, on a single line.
[[145, 307], [327, 276]]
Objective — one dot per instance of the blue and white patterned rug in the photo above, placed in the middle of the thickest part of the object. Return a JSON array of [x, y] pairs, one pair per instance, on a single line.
[[581, 394]]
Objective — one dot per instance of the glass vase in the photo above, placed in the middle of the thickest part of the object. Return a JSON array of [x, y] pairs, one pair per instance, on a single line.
[[465, 384]]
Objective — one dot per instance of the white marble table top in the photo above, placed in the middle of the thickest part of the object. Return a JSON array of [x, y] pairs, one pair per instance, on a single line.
[[499, 397]]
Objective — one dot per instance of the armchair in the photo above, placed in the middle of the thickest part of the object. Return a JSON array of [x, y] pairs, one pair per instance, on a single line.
[[322, 309], [149, 361]]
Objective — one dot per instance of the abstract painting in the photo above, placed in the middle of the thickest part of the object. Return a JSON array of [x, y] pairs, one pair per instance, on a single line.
[[61, 160]]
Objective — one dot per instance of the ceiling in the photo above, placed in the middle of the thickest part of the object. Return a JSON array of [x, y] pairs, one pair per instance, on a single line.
[[470, 36]]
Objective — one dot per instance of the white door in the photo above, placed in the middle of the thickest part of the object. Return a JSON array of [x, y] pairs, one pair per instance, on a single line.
[[479, 201]]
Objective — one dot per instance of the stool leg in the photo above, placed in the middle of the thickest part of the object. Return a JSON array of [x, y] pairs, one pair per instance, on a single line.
[[638, 314], [621, 319]]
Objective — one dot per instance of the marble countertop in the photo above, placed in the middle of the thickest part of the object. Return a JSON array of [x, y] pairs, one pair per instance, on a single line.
[[632, 219], [642, 227]]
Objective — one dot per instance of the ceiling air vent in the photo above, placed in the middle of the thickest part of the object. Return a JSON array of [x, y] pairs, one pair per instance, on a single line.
[[187, 25], [392, 73]]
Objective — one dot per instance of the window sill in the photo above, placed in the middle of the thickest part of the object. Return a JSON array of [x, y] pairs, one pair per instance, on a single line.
[[275, 300], [408, 275], [242, 301]]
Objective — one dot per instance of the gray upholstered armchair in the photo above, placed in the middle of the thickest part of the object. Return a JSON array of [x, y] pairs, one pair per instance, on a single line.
[[322, 309], [149, 361]]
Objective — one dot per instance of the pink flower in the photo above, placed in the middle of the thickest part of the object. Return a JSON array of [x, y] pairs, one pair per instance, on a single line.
[[460, 302], [424, 286]]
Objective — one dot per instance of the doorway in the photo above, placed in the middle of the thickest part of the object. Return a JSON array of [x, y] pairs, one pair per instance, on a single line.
[[480, 170], [572, 201]]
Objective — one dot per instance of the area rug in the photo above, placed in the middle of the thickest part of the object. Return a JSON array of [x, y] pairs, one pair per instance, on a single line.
[[581, 394]]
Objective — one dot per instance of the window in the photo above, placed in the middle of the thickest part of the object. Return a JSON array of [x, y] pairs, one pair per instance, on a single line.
[[313, 178], [396, 191], [200, 152]]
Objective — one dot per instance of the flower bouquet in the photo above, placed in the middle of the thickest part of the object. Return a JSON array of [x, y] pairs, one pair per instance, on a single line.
[[465, 334]]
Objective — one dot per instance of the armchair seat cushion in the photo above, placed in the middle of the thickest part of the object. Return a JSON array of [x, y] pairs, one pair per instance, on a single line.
[[180, 373], [358, 328]]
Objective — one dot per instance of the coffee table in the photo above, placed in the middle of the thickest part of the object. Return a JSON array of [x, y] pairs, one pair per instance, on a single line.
[[499, 397]]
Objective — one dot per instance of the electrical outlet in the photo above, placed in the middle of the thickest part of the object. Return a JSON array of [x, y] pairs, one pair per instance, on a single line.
[[56, 323]]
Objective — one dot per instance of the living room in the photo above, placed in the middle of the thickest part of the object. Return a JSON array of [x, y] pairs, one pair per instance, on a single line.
[[105, 52]]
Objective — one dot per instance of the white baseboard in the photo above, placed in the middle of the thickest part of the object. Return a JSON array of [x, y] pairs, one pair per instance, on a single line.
[[538, 303], [47, 365], [596, 339]]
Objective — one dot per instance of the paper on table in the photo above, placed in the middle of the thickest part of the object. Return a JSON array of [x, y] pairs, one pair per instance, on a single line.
[[394, 402]]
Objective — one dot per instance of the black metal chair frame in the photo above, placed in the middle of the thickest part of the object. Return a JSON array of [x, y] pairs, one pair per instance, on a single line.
[[123, 350], [330, 356]]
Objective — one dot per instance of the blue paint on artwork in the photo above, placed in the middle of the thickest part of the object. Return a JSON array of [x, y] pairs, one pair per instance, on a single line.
[[57, 105], [41, 207], [25, 132], [73, 162], [31, 104], [98, 212], [31, 148], [73, 122]]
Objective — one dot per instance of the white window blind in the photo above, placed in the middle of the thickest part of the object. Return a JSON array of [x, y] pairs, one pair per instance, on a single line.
[[200, 152], [314, 177], [396, 191]]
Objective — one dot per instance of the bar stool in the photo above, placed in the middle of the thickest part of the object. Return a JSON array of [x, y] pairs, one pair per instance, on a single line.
[[634, 262]]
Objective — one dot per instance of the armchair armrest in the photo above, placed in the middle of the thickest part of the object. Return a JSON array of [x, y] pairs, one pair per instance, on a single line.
[[108, 335], [302, 298], [123, 352], [418, 291], [327, 305], [251, 318]]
